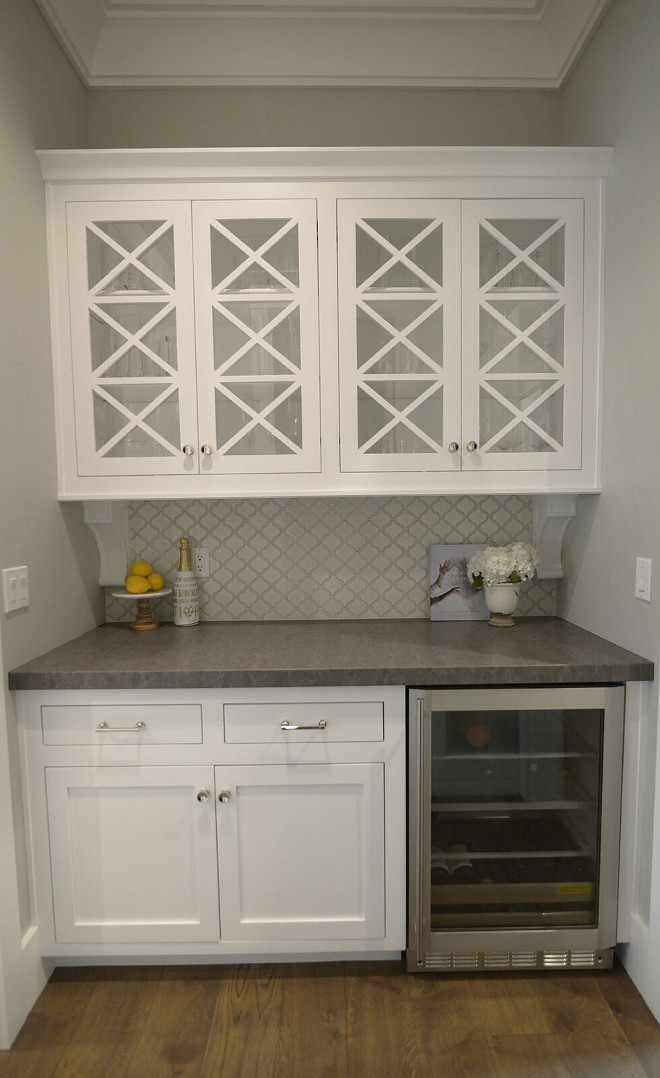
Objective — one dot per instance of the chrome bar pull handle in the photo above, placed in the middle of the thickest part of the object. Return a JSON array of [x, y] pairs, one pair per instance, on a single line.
[[105, 728], [204, 794], [286, 726]]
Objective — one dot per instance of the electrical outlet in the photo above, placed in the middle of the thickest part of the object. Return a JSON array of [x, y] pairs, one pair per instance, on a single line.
[[201, 562], [15, 588]]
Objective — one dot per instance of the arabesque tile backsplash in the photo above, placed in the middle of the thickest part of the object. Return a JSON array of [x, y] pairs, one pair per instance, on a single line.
[[318, 558]]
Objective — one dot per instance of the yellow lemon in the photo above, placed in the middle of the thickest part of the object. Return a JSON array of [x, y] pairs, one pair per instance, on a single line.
[[140, 568], [156, 581], [137, 585]]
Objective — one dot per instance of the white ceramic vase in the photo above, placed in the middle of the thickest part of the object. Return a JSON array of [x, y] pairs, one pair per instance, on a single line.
[[501, 600]]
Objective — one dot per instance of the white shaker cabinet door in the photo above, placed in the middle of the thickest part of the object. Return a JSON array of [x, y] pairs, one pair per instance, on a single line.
[[132, 337], [301, 852], [522, 334], [256, 285], [133, 856], [399, 334]]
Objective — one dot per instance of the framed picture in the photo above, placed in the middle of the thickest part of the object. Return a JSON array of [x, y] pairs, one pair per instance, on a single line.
[[451, 596]]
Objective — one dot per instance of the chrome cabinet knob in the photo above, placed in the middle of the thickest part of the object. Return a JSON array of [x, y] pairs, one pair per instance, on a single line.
[[188, 450], [453, 447], [204, 794], [224, 796], [472, 446], [207, 450]]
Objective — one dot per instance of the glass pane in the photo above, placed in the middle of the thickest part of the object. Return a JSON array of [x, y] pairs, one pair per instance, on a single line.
[[525, 251], [230, 263], [400, 440], [231, 418], [514, 818], [399, 234], [521, 360], [550, 336], [401, 437], [102, 257], [160, 257], [278, 329], [133, 364], [550, 415], [105, 339], [494, 418], [137, 442]]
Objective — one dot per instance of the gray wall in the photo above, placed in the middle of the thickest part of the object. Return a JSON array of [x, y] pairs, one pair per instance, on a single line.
[[613, 99], [322, 117], [41, 103]]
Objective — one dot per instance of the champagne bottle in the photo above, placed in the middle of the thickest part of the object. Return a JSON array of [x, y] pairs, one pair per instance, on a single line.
[[186, 591]]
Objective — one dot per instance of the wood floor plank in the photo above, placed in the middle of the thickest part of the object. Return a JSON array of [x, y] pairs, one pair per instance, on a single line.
[[633, 1016], [177, 1025], [312, 1031], [244, 1030], [59, 1007], [100, 1044], [339, 1020]]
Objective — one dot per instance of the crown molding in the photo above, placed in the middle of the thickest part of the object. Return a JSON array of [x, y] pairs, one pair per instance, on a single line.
[[482, 44]]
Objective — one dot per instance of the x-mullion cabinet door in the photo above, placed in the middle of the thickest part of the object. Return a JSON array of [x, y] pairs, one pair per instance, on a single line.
[[132, 337], [399, 334], [522, 333], [256, 279]]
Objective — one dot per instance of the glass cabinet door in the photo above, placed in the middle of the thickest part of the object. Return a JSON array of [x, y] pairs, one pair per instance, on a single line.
[[399, 334], [515, 821], [522, 333], [257, 325], [132, 336]]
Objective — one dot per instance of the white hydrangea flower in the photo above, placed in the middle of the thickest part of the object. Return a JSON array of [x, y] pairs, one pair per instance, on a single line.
[[502, 564]]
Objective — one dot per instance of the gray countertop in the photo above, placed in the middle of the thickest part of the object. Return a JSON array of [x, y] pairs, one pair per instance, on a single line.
[[281, 653]]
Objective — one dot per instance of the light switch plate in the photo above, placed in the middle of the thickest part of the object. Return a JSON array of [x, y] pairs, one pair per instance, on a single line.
[[15, 588], [643, 568]]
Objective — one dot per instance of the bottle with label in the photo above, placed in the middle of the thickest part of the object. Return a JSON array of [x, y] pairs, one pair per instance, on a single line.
[[186, 590]]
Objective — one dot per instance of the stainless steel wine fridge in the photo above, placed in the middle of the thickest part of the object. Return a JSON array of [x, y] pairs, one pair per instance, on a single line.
[[514, 812]]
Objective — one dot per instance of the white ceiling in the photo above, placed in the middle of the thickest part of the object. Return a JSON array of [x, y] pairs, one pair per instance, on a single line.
[[503, 44]]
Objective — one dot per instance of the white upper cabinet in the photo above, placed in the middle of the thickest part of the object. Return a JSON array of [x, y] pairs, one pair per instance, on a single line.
[[132, 336], [522, 334], [399, 333], [257, 331], [278, 322]]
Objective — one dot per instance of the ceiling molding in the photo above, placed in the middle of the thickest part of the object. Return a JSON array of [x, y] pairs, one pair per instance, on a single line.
[[501, 44]]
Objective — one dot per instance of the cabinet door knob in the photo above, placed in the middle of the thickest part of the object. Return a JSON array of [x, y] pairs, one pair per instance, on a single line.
[[224, 796], [204, 794], [453, 447], [188, 450], [472, 446], [207, 450]]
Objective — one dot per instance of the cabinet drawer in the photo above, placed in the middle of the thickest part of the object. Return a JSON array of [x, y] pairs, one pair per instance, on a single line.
[[120, 724], [316, 721]]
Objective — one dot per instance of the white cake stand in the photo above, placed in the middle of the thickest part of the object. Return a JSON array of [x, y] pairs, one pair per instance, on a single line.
[[144, 619]]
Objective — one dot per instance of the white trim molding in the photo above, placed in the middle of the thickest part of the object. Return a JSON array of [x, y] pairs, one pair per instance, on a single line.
[[498, 44]]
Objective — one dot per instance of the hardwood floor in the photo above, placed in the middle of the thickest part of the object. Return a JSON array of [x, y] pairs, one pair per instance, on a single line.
[[338, 1020]]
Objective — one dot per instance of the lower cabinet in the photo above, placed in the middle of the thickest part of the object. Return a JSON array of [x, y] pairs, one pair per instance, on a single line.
[[272, 828], [132, 852], [301, 852]]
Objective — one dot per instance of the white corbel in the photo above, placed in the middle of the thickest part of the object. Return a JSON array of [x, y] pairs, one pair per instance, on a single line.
[[108, 523], [552, 513]]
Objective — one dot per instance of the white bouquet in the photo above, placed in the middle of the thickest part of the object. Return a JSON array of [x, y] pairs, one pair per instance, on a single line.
[[502, 564]]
